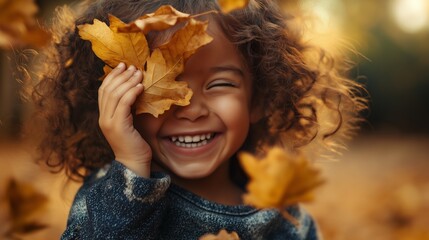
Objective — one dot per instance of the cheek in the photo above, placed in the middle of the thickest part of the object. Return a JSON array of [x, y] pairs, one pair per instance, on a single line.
[[146, 125], [234, 112]]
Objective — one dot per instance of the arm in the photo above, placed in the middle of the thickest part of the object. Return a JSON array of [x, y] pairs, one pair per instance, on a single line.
[[120, 205], [117, 205]]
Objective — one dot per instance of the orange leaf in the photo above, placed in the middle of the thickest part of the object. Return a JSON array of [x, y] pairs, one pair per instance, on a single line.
[[165, 17], [227, 6], [222, 235], [279, 180], [18, 25], [27, 205], [113, 47], [161, 89], [185, 42], [164, 64]]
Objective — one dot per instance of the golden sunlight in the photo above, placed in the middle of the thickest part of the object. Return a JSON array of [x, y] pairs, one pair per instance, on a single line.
[[410, 15]]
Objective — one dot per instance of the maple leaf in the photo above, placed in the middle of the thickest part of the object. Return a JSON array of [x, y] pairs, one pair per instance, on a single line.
[[227, 6], [18, 25], [279, 180], [113, 47], [26, 204], [222, 235], [163, 18]]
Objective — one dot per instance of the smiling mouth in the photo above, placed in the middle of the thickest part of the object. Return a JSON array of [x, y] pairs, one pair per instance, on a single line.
[[188, 141]]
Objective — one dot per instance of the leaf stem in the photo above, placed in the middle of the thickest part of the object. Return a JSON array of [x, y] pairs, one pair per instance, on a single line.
[[204, 13]]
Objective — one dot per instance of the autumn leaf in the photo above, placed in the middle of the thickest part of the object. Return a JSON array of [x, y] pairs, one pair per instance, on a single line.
[[113, 47], [185, 42], [161, 89], [18, 25], [222, 235], [26, 205], [165, 17], [227, 6], [279, 180], [164, 64]]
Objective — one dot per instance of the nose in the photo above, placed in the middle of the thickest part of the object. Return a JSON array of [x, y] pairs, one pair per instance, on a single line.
[[195, 110]]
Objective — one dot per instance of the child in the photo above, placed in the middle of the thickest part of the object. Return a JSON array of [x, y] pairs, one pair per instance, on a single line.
[[176, 176]]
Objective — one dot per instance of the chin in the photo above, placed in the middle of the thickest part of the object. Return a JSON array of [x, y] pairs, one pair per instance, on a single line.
[[192, 173]]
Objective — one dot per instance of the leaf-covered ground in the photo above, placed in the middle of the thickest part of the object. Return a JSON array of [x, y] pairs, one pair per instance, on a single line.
[[378, 190]]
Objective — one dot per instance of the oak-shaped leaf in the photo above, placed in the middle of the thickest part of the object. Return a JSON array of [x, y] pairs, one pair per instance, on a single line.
[[113, 47], [227, 6], [279, 179], [222, 235], [19, 26], [163, 18]]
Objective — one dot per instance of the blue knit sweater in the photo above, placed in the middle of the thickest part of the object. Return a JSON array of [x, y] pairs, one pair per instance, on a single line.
[[117, 204]]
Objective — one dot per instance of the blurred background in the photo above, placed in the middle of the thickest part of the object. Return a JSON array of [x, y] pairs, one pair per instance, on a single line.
[[379, 188]]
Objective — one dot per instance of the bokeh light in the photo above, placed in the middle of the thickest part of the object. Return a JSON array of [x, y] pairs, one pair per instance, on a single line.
[[410, 15]]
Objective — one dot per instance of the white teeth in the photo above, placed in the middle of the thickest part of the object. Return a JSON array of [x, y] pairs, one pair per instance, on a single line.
[[188, 139], [196, 138], [191, 141]]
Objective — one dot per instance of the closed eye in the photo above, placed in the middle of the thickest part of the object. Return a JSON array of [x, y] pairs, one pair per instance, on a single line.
[[221, 83]]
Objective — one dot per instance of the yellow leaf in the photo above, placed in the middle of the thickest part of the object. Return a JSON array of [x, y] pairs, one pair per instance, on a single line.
[[113, 47], [185, 42], [27, 205], [227, 6], [165, 17], [222, 235], [164, 64], [161, 89], [279, 180], [18, 25]]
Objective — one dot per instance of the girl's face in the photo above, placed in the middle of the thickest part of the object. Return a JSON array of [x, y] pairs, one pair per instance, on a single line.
[[193, 141]]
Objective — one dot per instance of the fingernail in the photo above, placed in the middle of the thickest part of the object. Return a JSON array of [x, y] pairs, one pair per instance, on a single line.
[[120, 65], [131, 68], [136, 72]]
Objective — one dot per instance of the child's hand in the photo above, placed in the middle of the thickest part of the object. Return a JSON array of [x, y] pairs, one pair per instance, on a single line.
[[116, 95]]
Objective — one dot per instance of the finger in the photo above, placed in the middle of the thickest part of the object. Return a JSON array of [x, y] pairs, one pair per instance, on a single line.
[[115, 72], [108, 89], [119, 93], [123, 109], [120, 78], [106, 81]]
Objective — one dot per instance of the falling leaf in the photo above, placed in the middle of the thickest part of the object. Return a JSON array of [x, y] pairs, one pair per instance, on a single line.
[[26, 205], [165, 17], [161, 89], [222, 235], [113, 47], [18, 25], [227, 6], [279, 180]]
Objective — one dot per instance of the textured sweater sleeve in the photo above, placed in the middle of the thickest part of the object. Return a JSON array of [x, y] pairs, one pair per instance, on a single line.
[[119, 205]]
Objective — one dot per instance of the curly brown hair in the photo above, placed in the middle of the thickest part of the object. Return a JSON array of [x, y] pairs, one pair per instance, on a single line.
[[304, 93]]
